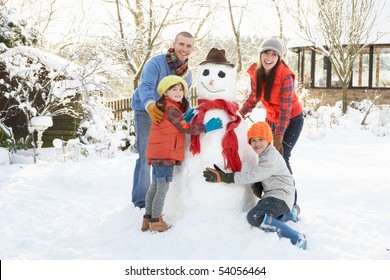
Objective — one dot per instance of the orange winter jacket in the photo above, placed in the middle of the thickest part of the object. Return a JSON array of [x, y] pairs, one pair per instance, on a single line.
[[165, 140], [272, 107]]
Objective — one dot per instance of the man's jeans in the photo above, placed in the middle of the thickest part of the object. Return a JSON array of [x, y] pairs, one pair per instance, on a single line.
[[141, 178]]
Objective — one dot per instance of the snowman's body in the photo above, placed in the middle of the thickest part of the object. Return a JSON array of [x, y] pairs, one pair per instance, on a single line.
[[190, 194]]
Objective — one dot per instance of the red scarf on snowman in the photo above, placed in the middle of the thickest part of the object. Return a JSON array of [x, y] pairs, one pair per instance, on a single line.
[[229, 140]]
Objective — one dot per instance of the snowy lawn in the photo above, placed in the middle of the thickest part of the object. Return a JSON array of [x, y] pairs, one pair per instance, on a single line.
[[82, 210]]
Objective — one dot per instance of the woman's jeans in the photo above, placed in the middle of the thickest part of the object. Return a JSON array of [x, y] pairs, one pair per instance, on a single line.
[[290, 138], [141, 178]]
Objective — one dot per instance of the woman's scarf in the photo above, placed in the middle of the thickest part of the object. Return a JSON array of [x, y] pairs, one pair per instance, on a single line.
[[177, 67], [229, 140]]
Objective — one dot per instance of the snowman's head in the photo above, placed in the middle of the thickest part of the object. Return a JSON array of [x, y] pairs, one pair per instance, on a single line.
[[216, 77]]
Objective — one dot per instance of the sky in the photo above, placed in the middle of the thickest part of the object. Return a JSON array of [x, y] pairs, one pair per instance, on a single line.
[[97, 17], [83, 17], [88, 18]]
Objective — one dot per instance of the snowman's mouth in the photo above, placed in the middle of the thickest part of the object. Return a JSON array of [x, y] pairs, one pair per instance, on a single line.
[[212, 91]]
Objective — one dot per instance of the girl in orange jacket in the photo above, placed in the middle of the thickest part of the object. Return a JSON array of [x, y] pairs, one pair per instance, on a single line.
[[166, 146]]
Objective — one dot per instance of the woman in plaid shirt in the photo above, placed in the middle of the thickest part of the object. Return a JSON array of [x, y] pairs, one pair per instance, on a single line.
[[272, 83]]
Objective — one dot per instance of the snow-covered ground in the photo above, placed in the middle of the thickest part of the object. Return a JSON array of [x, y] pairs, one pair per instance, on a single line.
[[81, 210]]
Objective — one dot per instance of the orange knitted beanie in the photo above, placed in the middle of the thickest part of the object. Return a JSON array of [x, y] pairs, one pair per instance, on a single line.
[[260, 129]]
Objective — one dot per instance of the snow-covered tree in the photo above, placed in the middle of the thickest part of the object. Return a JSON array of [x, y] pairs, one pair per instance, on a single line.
[[14, 31], [339, 30], [41, 84], [142, 23]]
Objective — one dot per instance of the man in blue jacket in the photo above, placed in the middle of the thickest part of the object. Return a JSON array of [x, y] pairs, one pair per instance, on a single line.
[[173, 62]]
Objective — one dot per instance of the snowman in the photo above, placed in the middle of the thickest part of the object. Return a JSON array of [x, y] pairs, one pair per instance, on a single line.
[[190, 196]]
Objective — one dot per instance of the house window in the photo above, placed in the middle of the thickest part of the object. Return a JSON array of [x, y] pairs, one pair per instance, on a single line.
[[293, 63], [371, 68], [307, 81], [335, 80], [320, 70], [360, 74], [381, 67]]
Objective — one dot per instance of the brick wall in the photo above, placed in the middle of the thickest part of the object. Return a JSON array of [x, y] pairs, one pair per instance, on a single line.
[[331, 96]]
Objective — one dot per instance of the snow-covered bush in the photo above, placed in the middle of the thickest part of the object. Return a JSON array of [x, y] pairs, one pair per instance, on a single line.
[[14, 31], [316, 128], [40, 83], [6, 137], [106, 135], [67, 150], [96, 125], [310, 104], [125, 131], [314, 117], [379, 123], [36, 83]]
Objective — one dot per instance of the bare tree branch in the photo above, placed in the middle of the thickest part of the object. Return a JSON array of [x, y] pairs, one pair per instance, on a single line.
[[237, 36], [339, 30]]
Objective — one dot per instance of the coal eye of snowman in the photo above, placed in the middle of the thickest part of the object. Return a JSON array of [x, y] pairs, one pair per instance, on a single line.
[[206, 72], [221, 74]]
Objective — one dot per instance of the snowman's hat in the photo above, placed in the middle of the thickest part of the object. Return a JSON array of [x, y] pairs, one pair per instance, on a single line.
[[217, 56]]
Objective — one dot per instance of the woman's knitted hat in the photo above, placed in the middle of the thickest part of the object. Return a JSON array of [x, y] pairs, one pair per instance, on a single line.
[[260, 129], [272, 44], [169, 81]]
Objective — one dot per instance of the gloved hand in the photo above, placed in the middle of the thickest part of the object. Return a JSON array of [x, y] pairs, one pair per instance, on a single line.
[[155, 113], [189, 115], [213, 124], [217, 175], [242, 114], [245, 117], [257, 189], [278, 143]]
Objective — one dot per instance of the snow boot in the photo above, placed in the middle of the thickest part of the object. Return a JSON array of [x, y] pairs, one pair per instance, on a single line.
[[292, 215], [270, 224], [145, 224], [158, 225]]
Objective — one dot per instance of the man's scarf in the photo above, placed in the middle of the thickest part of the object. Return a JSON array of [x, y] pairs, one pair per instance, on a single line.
[[177, 67], [229, 140]]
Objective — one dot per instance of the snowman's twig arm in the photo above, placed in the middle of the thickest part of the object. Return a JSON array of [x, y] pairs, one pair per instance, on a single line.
[[245, 117], [249, 117]]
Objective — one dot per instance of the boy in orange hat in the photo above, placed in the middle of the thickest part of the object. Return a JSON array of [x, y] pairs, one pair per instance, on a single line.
[[277, 183]]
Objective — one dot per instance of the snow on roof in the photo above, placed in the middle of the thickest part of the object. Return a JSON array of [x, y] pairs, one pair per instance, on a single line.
[[75, 75], [380, 33]]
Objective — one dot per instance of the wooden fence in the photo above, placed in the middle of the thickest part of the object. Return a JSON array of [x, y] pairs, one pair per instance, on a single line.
[[119, 106], [124, 105], [193, 97]]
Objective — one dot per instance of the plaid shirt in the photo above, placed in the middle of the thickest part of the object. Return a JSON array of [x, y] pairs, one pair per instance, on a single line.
[[286, 93], [176, 117], [286, 96]]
